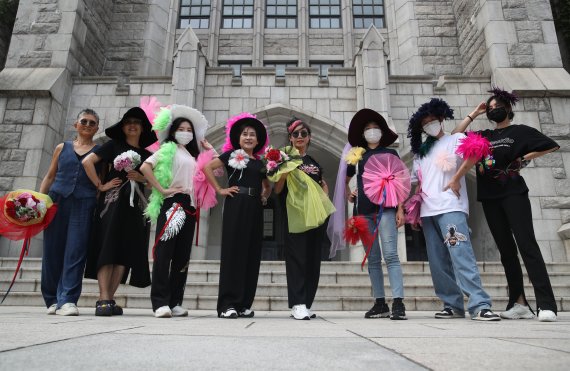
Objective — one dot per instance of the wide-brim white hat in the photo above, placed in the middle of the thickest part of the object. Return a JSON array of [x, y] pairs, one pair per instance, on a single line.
[[196, 117]]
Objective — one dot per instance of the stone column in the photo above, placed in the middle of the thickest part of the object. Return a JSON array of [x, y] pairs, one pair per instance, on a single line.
[[347, 30], [159, 37], [215, 25], [188, 88], [403, 32], [303, 29], [258, 27]]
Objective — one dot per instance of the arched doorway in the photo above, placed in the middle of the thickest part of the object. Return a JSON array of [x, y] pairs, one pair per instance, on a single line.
[[328, 140]]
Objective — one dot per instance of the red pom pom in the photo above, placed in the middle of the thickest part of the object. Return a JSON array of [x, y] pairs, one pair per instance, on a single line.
[[357, 229]]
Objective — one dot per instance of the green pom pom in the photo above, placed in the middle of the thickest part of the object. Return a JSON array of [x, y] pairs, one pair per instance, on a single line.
[[162, 120]]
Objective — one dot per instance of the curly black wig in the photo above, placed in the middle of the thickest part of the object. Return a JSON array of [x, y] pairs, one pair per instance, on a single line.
[[437, 107], [503, 97]]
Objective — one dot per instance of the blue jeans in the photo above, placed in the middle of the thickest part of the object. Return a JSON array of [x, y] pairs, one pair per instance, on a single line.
[[389, 237], [65, 249], [452, 262]]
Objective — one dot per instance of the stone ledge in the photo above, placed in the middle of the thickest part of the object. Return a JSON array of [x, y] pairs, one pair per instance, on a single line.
[[36, 82], [534, 82]]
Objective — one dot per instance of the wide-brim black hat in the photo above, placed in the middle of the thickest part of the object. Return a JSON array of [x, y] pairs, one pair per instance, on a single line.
[[257, 125], [148, 136], [359, 121]]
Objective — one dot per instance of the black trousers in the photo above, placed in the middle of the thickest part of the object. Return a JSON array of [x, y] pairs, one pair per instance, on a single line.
[[242, 237], [512, 217], [170, 266], [303, 265]]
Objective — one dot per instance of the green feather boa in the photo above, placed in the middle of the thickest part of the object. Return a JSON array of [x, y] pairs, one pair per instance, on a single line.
[[427, 146], [163, 173]]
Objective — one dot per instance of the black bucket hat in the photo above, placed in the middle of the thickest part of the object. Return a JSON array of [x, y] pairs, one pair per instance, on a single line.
[[257, 125], [359, 121], [148, 136]]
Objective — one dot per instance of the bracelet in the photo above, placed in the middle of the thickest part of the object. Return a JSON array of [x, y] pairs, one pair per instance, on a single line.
[[470, 118]]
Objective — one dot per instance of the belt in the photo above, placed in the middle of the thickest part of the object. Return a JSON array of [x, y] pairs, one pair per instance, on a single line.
[[248, 191]]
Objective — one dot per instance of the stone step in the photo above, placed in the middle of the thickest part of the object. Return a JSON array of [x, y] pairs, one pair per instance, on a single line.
[[280, 289], [345, 278], [341, 267], [208, 302]]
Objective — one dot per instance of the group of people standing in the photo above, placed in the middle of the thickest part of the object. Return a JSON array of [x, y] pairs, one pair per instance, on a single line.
[[102, 225]]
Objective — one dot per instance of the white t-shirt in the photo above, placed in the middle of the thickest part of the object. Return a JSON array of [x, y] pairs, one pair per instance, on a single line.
[[437, 169], [183, 169]]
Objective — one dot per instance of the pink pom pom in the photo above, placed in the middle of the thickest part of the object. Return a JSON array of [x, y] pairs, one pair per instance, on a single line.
[[150, 106], [474, 146], [204, 192], [445, 161]]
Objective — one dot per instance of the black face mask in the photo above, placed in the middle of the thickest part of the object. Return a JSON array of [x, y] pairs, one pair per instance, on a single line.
[[497, 114]]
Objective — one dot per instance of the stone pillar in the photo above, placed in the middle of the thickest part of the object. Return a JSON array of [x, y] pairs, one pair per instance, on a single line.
[[159, 37], [215, 25], [258, 27], [188, 79], [303, 29], [347, 31], [403, 32]]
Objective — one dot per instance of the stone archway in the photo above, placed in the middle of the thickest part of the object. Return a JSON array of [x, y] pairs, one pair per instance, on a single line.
[[328, 141]]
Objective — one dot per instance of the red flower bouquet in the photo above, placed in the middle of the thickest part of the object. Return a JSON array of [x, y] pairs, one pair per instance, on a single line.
[[23, 214]]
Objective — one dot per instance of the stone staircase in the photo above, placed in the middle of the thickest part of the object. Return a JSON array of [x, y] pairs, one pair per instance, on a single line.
[[342, 286]]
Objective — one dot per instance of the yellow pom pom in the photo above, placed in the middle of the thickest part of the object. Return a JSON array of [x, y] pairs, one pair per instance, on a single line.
[[354, 155]]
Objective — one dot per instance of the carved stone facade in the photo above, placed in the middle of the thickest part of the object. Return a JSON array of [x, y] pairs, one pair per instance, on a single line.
[[66, 55]]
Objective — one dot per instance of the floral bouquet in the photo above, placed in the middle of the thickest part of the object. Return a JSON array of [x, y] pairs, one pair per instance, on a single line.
[[23, 214], [128, 161], [275, 158]]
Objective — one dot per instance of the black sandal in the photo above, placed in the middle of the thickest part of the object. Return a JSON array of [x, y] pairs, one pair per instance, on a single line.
[[103, 308], [117, 310]]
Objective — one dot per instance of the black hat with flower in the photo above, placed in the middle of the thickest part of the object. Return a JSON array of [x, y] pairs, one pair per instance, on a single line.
[[436, 107]]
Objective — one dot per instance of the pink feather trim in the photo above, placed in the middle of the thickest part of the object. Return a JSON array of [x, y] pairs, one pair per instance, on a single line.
[[150, 106], [413, 207], [204, 192], [231, 121], [474, 146]]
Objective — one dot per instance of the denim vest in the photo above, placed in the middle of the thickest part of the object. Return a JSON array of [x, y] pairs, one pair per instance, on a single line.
[[71, 177]]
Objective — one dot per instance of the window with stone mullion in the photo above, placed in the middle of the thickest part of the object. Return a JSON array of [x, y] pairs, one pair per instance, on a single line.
[[324, 14], [237, 14], [281, 14], [368, 12], [194, 13]]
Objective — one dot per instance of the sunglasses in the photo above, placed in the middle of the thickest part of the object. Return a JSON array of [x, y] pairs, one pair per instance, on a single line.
[[89, 123], [301, 133]]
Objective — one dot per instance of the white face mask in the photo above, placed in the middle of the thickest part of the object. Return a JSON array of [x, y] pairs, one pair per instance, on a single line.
[[184, 137], [372, 135], [433, 128]]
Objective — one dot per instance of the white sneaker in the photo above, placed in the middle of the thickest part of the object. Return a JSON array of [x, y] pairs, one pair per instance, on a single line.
[[546, 316], [229, 313], [163, 312], [246, 313], [518, 311], [52, 308], [311, 314], [178, 311], [300, 312], [67, 309]]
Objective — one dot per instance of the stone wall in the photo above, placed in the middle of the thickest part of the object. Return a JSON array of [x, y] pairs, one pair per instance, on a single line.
[[235, 44], [285, 45], [94, 30], [438, 42], [125, 47], [326, 43]]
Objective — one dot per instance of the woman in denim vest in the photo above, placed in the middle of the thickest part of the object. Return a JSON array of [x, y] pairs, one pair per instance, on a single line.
[[65, 240]]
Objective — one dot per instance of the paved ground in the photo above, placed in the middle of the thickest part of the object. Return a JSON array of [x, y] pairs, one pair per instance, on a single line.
[[31, 340]]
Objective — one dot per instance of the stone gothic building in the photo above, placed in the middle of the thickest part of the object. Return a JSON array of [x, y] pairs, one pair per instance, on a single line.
[[319, 60]]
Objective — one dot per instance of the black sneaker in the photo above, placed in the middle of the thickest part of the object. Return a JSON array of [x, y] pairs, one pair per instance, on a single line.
[[448, 313], [486, 315], [379, 310], [398, 310]]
